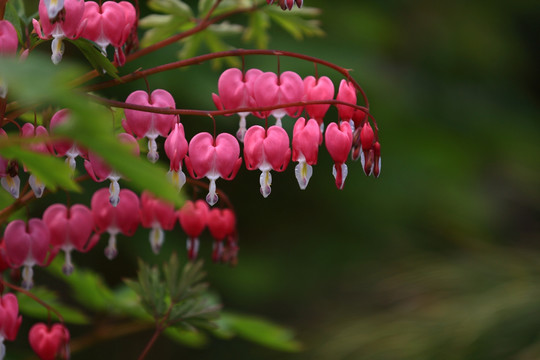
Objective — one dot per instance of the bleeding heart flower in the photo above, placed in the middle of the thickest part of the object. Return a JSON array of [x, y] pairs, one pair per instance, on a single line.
[[9, 173], [29, 131], [287, 4], [109, 24], [99, 171], [65, 147], [266, 150], [10, 321], [150, 125], [27, 244], [70, 229], [346, 93], [269, 90], [193, 218], [213, 158], [176, 147], [305, 146], [157, 215], [339, 142], [235, 91], [221, 224], [8, 38], [48, 342], [315, 90], [69, 25], [123, 218]]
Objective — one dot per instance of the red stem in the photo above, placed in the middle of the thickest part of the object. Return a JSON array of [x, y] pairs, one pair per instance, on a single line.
[[33, 297], [237, 52]]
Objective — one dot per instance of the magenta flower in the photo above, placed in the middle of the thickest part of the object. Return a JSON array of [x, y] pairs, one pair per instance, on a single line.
[[70, 229], [49, 341], [269, 90], [221, 224], [318, 89], [176, 147], [305, 148], [27, 244], [123, 218], [150, 125], [193, 218], [346, 93], [213, 158], [109, 24], [99, 171], [235, 91], [9, 173], [10, 320], [266, 150], [66, 147], [70, 26], [29, 131], [339, 142], [157, 215], [8, 46], [287, 4]]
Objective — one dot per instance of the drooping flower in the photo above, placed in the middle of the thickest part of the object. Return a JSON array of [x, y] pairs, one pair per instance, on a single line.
[[176, 147], [317, 89], [53, 8], [99, 171], [221, 224], [69, 25], [124, 218], [9, 173], [8, 46], [157, 215], [235, 91], [146, 124], [10, 320], [109, 24], [359, 118], [193, 217], [271, 90], [338, 141], [346, 93], [305, 148], [266, 150], [65, 147], [287, 4], [49, 341], [213, 158], [70, 229], [27, 244], [29, 131]]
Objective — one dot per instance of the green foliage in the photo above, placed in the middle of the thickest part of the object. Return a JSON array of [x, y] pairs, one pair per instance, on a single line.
[[99, 62], [31, 308], [53, 172]]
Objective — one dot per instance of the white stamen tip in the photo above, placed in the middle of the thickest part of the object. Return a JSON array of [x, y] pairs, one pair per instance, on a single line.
[[266, 182], [156, 239]]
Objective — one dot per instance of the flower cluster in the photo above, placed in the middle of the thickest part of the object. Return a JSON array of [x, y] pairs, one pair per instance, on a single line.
[[107, 23]]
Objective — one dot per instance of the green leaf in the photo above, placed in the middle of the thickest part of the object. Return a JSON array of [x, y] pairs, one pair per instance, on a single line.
[[178, 8], [52, 171], [260, 331], [194, 339], [257, 31], [88, 288], [13, 17], [95, 57], [191, 46], [205, 6], [30, 307], [294, 23]]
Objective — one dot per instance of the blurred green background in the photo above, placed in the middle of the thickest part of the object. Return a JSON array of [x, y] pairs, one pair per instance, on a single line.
[[439, 258]]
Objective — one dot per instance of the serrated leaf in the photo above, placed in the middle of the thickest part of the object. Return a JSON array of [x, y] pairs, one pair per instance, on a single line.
[[260, 331], [194, 339], [175, 7], [52, 171], [30, 307], [95, 57]]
